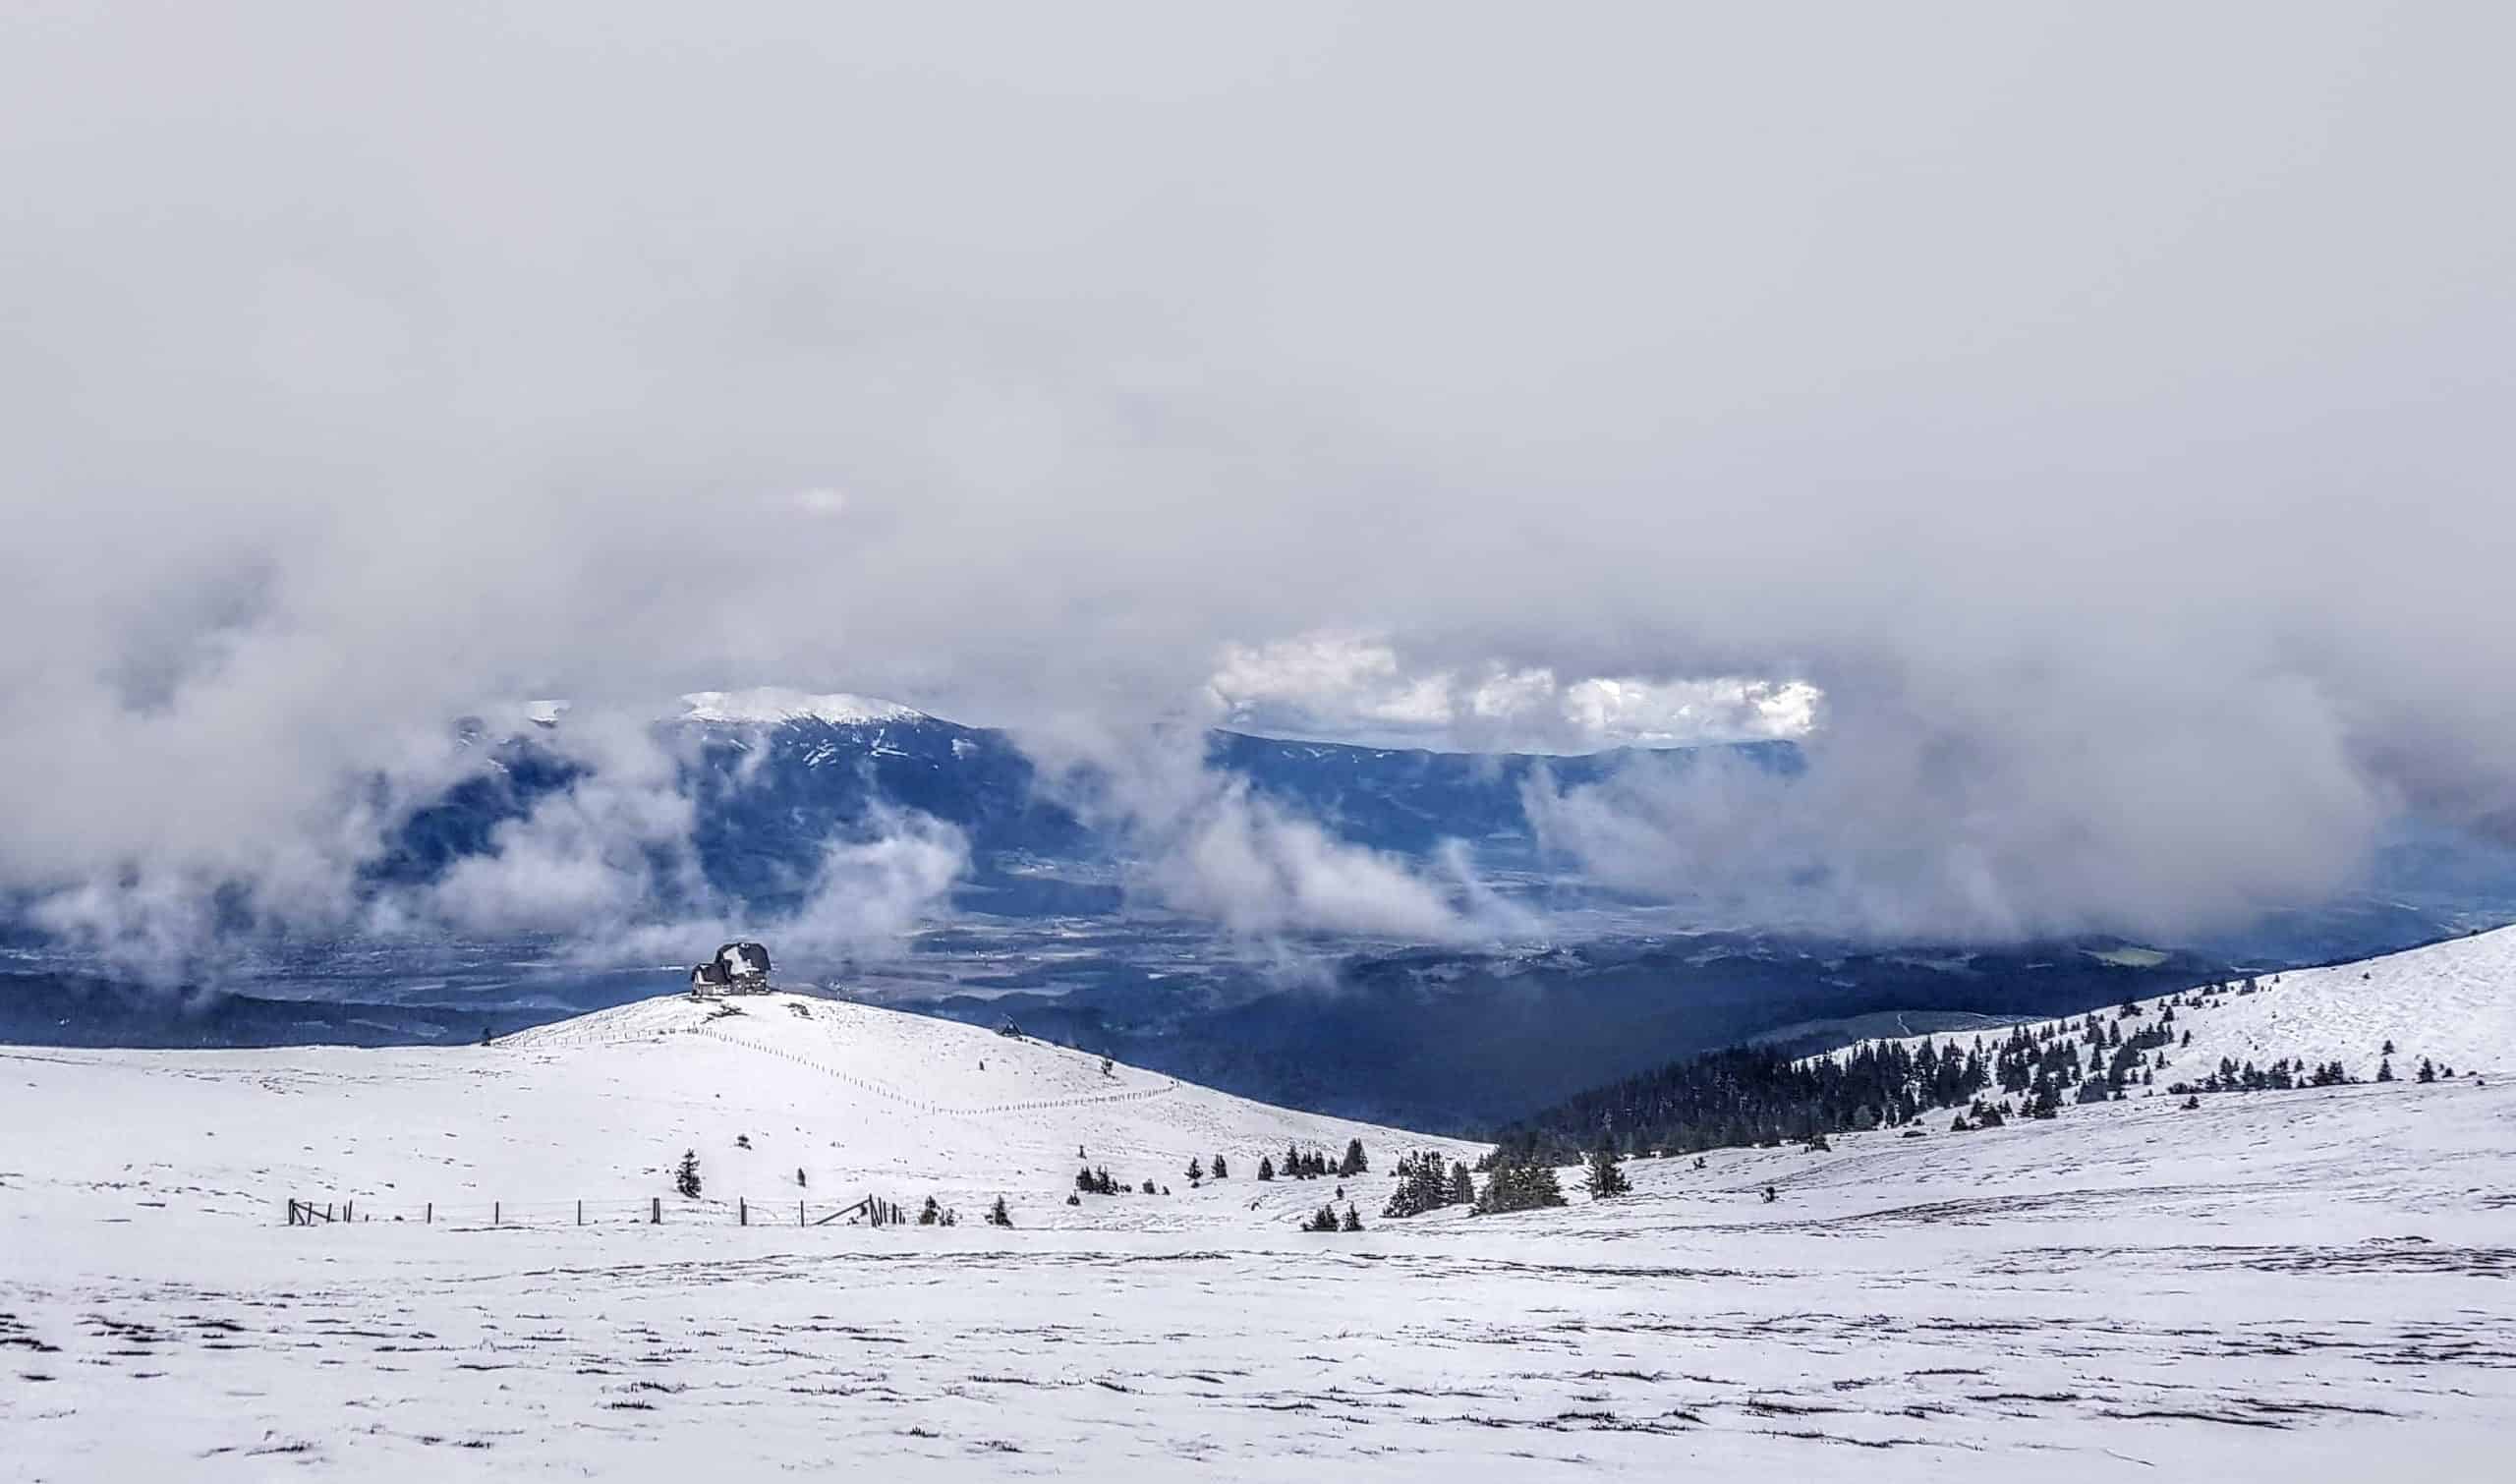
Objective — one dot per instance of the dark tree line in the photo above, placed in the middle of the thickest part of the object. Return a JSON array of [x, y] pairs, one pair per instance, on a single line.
[[1758, 1096]]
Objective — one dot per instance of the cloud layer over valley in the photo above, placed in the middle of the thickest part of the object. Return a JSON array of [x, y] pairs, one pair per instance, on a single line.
[[2091, 435]]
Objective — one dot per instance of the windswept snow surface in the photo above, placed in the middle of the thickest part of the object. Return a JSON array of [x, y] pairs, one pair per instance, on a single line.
[[2272, 1285]]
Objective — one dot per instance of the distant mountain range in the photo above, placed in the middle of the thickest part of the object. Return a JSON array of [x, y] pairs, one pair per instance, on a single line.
[[775, 779], [1043, 928]]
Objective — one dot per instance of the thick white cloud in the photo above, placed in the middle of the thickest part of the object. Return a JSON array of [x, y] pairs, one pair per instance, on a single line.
[[1347, 687], [1205, 844], [2104, 412]]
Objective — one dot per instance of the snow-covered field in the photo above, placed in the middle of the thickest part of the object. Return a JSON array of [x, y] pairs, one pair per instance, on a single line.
[[2269, 1286]]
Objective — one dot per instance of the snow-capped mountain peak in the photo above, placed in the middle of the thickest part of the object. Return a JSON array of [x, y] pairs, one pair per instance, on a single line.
[[767, 705]]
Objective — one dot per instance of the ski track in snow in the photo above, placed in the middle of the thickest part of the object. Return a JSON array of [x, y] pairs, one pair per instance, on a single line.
[[2271, 1284]]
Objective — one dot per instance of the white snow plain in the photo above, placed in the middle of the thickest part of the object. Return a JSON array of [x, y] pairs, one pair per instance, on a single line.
[[2271, 1284]]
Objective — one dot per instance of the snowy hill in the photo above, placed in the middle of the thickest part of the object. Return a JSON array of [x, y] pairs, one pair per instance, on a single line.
[[860, 1101], [2453, 1003]]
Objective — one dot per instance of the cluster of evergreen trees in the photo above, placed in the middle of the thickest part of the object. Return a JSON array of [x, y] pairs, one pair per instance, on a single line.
[[1749, 1095], [1326, 1219], [1312, 1164], [2233, 1076], [1424, 1185], [1517, 1184], [1759, 1096]]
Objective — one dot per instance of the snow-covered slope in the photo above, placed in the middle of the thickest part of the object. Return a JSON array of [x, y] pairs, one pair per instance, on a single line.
[[2453, 1003], [2274, 1285], [858, 1099]]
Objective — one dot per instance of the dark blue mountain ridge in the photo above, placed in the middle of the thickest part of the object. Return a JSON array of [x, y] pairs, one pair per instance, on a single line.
[[769, 797]]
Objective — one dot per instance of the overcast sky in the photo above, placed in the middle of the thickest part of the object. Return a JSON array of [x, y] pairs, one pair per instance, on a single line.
[[2103, 408]]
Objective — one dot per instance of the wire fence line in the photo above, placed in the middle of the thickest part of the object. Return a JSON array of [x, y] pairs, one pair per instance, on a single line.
[[649, 1210], [677, 1210]]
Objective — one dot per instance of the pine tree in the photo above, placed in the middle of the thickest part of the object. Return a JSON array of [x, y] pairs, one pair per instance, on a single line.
[[1422, 1185], [1325, 1220], [1223, 1172], [685, 1178], [1605, 1180], [998, 1216], [1463, 1190], [1266, 1167], [1353, 1164], [1196, 1169], [932, 1216], [2427, 1070], [1352, 1222], [2385, 1069]]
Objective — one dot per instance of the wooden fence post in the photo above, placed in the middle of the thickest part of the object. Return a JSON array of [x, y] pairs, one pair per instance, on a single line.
[[496, 1209], [799, 1212], [655, 1211], [430, 1217], [742, 1211], [581, 1213]]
